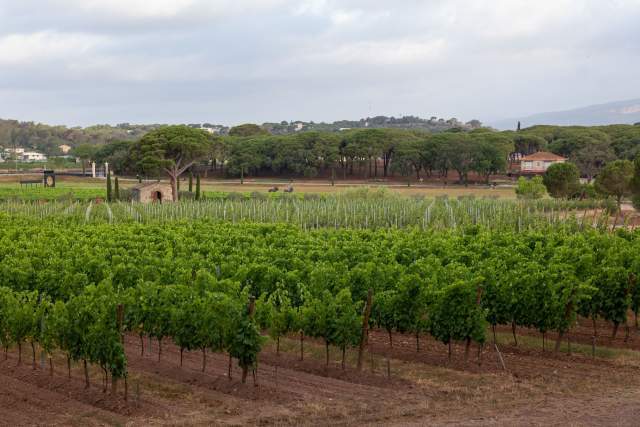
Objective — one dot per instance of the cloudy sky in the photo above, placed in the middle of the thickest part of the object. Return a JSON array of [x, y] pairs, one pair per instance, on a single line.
[[81, 62]]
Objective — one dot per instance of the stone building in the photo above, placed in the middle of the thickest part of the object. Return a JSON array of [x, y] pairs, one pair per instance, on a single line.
[[150, 192]]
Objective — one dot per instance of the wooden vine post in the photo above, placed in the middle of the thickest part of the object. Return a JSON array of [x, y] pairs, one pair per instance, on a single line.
[[365, 328], [616, 325], [87, 384], [630, 289], [567, 314], [114, 380], [251, 311], [468, 341]]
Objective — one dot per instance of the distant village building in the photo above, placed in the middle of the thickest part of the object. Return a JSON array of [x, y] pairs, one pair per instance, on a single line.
[[14, 152], [64, 148], [539, 162], [21, 155], [150, 192], [214, 129], [33, 156]]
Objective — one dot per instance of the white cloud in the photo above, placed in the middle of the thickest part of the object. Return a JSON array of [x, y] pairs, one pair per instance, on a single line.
[[311, 7], [398, 52], [342, 17], [43, 46], [167, 9], [143, 69], [464, 57], [512, 18], [137, 8]]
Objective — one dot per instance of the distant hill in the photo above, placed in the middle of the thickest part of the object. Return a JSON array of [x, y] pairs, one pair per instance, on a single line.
[[620, 112], [434, 124]]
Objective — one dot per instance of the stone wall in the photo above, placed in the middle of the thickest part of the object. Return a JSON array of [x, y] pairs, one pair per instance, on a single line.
[[152, 193]]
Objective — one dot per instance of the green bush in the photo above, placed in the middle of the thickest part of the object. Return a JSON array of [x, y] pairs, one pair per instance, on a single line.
[[562, 180], [530, 188], [586, 191]]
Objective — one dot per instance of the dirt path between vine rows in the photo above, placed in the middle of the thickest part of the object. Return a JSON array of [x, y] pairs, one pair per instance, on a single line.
[[425, 388]]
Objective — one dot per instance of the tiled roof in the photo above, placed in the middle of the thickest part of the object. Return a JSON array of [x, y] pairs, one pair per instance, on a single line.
[[542, 155]]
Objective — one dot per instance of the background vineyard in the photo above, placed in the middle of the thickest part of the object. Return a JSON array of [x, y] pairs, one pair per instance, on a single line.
[[367, 210]]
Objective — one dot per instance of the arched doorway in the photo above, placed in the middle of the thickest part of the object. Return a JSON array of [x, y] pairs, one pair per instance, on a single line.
[[156, 196]]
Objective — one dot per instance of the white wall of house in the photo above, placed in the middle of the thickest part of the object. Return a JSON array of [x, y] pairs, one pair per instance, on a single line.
[[537, 165], [22, 155]]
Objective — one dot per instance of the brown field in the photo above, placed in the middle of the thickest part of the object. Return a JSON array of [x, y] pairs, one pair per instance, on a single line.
[[318, 187], [425, 388]]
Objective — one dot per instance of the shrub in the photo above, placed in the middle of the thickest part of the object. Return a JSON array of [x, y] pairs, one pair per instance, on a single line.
[[530, 188], [562, 180], [616, 180], [586, 191]]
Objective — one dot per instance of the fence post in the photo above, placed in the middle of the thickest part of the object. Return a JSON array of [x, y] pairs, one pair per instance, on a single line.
[[120, 321], [365, 327]]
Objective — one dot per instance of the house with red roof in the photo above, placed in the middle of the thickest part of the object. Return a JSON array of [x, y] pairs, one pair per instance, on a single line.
[[539, 162]]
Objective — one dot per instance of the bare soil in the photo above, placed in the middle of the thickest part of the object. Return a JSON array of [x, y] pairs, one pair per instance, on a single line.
[[584, 333], [425, 388]]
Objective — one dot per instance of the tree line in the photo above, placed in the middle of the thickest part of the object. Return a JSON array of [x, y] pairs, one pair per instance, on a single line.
[[374, 153], [368, 154]]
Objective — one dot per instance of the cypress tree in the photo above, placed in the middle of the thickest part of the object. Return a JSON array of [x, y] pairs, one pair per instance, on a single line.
[[190, 182], [108, 186], [197, 187], [116, 190]]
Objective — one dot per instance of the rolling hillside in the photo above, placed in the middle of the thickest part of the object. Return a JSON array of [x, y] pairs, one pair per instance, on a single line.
[[620, 112]]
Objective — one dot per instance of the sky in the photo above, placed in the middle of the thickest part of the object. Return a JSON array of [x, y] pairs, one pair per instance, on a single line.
[[82, 62]]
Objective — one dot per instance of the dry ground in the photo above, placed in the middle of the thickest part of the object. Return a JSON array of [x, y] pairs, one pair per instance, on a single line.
[[321, 187], [425, 388]]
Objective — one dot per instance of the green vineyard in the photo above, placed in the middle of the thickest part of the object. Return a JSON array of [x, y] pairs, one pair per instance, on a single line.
[[76, 288]]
